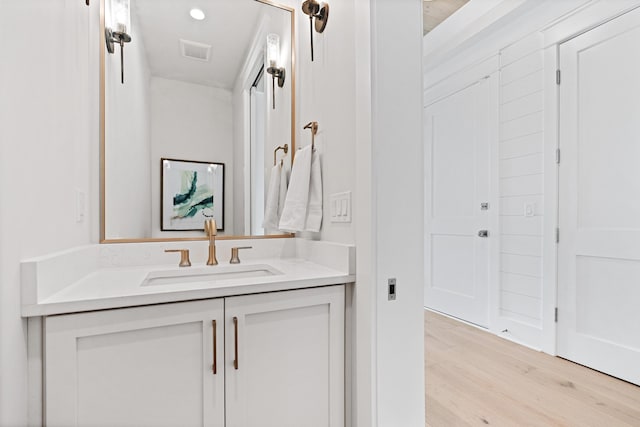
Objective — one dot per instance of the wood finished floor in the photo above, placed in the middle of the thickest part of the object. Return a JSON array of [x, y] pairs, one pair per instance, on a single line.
[[474, 378]]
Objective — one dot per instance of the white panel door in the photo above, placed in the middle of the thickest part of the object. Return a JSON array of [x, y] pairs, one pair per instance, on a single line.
[[146, 366], [457, 134], [285, 359], [599, 249]]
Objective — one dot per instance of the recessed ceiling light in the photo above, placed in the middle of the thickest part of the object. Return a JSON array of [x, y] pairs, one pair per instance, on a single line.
[[197, 14]]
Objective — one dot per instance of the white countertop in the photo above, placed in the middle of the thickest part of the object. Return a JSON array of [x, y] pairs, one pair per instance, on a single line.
[[100, 287]]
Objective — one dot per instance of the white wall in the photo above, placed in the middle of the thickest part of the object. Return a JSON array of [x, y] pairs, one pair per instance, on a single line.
[[127, 135], [521, 175], [190, 122], [519, 40], [326, 94], [48, 150], [397, 209]]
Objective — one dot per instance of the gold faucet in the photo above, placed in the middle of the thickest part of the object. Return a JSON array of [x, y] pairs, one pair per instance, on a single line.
[[211, 229]]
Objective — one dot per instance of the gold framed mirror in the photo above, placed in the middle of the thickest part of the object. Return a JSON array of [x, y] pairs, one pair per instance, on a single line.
[[203, 88]]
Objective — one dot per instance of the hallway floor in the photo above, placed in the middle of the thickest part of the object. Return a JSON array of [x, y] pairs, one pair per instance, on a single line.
[[474, 378]]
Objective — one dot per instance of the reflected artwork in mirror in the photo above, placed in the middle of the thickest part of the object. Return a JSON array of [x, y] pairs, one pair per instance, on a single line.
[[195, 88]]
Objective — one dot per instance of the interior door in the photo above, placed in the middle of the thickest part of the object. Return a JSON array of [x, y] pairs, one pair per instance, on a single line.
[[599, 248], [457, 133]]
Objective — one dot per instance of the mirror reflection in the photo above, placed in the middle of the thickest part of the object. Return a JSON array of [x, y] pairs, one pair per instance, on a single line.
[[207, 84]]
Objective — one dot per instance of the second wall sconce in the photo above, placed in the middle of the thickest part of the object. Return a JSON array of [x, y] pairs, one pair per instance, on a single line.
[[273, 58], [319, 12], [117, 27]]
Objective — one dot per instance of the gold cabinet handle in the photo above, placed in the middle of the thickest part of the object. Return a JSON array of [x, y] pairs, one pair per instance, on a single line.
[[215, 347], [235, 327]]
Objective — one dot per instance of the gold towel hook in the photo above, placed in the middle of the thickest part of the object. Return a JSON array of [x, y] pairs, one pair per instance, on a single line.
[[314, 129], [284, 148]]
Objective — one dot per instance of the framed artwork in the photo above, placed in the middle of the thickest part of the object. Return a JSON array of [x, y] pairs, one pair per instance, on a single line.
[[192, 191]]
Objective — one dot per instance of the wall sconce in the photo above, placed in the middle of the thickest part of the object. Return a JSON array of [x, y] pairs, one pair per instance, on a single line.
[[117, 28], [273, 57], [319, 11]]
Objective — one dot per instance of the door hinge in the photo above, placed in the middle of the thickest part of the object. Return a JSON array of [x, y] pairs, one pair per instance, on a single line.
[[558, 77], [557, 234], [556, 315], [557, 155]]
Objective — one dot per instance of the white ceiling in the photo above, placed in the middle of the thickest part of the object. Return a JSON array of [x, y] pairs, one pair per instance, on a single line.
[[436, 11], [229, 27]]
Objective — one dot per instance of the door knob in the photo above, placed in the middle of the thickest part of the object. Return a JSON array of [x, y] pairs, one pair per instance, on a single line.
[[483, 233]]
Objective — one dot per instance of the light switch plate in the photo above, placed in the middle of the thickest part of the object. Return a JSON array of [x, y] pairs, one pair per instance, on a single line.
[[341, 207]]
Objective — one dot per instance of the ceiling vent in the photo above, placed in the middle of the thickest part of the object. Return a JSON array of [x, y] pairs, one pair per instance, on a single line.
[[195, 50]]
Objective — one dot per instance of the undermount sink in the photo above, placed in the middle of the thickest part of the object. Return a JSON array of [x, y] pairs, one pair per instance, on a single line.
[[208, 274]]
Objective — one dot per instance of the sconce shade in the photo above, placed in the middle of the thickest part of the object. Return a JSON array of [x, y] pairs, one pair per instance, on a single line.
[[117, 28], [273, 58], [273, 50], [118, 16]]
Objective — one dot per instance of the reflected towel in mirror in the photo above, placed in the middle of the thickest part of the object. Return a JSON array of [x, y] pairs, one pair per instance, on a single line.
[[276, 194]]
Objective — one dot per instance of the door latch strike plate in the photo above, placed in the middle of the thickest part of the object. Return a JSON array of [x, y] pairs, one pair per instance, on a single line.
[[392, 289]]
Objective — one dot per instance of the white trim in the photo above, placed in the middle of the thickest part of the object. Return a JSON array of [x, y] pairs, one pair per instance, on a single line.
[[464, 78], [549, 246], [257, 49], [586, 18], [466, 24], [494, 202]]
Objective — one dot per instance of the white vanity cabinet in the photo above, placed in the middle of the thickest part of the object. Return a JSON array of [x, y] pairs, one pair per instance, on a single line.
[[279, 360]]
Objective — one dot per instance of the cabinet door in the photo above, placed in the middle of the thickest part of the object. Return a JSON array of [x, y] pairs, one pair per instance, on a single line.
[[146, 366], [285, 359]]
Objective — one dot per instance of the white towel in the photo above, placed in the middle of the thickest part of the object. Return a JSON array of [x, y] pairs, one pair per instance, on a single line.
[[294, 214], [282, 195], [272, 208], [314, 209]]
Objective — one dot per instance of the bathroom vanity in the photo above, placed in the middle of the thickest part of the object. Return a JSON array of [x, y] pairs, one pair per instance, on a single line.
[[131, 343]]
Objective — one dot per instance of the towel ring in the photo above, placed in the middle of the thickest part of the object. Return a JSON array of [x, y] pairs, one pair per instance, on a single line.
[[314, 129], [284, 148]]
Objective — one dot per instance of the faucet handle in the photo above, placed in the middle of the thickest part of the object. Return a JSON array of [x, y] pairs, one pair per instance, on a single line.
[[184, 256], [234, 254]]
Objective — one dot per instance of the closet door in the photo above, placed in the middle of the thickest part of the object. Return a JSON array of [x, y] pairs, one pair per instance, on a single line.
[[145, 366], [599, 248], [457, 135]]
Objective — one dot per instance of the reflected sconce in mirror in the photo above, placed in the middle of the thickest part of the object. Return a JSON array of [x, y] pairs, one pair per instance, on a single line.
[[319, 11], [117, 27], [273, 59]]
